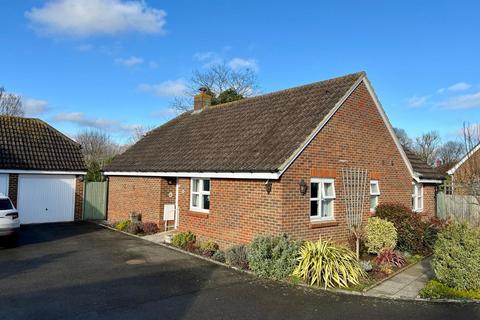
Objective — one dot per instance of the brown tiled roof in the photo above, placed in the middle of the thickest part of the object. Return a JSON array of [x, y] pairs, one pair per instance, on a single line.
[[31, 144], [421, 168], [257, 134]]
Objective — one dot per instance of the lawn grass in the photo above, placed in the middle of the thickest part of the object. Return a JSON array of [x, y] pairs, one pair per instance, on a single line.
[[437, 290]]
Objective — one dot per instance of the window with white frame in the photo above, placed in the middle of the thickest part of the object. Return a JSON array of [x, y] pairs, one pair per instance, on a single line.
[[374, 194], [417, 197], [322, 196], [200, 195]]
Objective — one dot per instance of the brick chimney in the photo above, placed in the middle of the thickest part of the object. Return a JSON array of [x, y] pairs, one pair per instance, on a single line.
[[201, 100]]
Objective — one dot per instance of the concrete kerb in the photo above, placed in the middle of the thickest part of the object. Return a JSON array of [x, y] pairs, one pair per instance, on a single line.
[[304, 285]]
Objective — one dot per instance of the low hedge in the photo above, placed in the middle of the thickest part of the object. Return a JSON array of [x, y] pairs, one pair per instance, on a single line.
[[434, 289]]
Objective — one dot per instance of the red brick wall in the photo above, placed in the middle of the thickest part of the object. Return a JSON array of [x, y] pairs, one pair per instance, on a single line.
[[13, 187], [355, 136], [79, 185], [144, 195], [429, 201], [239, 210]]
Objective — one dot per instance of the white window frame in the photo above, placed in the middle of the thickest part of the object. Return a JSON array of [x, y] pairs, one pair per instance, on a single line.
[[200, 193], [417, 197], [321, 197], [374, 195]]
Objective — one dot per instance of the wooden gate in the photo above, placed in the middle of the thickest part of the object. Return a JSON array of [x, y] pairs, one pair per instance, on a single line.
[[95, 201]]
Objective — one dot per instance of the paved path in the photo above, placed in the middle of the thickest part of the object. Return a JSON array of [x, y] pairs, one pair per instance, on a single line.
[[82, 271], [406, 284]]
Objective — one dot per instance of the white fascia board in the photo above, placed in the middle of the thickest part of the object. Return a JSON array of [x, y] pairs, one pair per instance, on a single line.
[[430, 181], [389, 126], [468, 155], [223, 175], [312, 136], [77, 173], [335, 109]]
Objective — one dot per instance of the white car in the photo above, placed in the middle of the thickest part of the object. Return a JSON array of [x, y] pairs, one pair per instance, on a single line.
[[9, 222]]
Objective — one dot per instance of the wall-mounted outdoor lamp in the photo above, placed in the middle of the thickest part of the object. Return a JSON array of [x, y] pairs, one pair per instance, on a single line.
[[268, 186], [171, 181], [303, 187]]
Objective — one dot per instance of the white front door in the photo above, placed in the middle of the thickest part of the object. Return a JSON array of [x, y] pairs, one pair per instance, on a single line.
[[4, 184], [46, 198]]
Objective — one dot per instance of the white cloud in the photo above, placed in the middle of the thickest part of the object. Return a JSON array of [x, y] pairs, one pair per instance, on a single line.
[[129, 62], [467, 101], [153, 64], [169, 88], [95, 17], [461, 86], [202, 56], [239, 63], [165, 112], [34, 107], [84, 121], [417, 102]]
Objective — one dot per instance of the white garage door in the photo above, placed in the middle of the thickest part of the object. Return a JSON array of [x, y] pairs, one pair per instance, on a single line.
[[4, 184], [46, 198]]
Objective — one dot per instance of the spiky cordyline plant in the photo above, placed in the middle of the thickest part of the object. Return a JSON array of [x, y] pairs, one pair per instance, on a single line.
[[324, 263]]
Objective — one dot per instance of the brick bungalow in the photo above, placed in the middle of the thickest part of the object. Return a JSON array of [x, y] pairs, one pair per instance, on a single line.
[[465, 174], [268, 164], [41, 170]]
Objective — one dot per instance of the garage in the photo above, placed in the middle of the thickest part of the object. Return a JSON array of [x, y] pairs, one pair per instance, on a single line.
[[46, 198], [41, 170]]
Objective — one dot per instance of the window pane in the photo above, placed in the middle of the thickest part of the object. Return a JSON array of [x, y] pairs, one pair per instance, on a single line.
[[195, 198], [328, 189], [374, 188], [195, 183], [206, 202], [327, 208], [206, 185], [313, 208], [314, 190], [373, 202], [5, 204]]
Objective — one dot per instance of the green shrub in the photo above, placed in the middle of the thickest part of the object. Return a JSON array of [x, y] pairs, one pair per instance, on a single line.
[[327, 264], [236, 256], [183, 240], [409, 226], [431, 230], [122, 225], [273, 257], [219, 256], [208, 248], [380, 234], [456, 257], [437, 290]]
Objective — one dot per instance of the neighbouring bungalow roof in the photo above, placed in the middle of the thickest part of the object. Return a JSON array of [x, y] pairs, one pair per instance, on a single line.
[[257, 134], [31, 144], [421, 168]]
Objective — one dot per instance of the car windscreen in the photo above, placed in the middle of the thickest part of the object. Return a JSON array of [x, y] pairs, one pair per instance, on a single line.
[[5, 204]]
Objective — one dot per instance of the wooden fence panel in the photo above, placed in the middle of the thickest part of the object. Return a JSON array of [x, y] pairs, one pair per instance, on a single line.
[[95, 201]]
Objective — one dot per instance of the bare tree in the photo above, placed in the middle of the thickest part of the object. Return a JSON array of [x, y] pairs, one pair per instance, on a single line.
[[403, 137], [98, 150], [219, 79], [426, 146], [140, 132], [10, 104], [450, 152]]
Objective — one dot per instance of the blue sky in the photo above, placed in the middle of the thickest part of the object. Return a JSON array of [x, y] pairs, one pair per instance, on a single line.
[[118, 63]]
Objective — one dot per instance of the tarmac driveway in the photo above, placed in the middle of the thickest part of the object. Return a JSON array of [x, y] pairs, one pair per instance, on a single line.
[[82, 271]]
